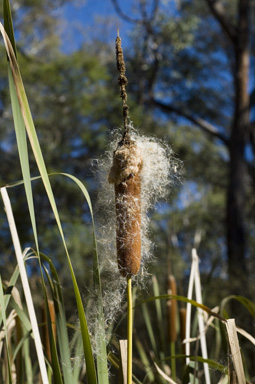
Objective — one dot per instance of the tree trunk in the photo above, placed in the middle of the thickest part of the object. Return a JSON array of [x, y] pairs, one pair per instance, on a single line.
[[237, 177]]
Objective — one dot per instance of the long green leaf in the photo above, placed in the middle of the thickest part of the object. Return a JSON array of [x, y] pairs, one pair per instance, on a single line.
[[28, 363], [185, 300], [147, 320], [23, 151], [28, 121], [248, 304], [20, 344], [144, 360], [7, 296], [22, 315], [8, 23], [6, 332], [159, 316]]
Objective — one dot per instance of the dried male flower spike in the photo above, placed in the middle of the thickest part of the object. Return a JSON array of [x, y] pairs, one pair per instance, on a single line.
[[125, 174]]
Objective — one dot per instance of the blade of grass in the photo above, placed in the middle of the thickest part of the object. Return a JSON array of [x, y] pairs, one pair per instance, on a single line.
[[6, 332], [21, 138], [144, 359], [12, 283], [201, 324], [248, 304], [247, 335], [20, 344], [162, 374], [185, 300], [76, 349], [235, 350], [22, 315], [159, 317], [212, 363], [148, 324], [123, 372], [188, 313], [28, 363], [8, 23], [25, 284]]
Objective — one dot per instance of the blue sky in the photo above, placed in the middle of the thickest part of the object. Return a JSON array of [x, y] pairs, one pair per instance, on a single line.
[[83, 15]]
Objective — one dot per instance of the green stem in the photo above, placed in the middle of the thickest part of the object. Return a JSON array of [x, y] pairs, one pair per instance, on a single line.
[[173, 362], [129, 330]]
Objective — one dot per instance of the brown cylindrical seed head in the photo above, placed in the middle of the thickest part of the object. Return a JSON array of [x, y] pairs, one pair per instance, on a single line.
[[126, 176], [172, 309]]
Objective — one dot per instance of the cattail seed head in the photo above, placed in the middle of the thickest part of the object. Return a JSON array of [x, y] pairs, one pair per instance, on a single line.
[[125, 174], [152, 162]]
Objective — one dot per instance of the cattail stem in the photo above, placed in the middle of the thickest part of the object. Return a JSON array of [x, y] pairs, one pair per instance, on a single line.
[[129, 330]]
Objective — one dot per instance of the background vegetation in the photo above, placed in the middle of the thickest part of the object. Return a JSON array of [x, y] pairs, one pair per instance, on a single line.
[[190, 66]]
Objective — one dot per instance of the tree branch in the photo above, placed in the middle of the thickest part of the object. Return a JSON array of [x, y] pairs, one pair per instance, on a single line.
[[199, 122], [122, 14], [219, 13]]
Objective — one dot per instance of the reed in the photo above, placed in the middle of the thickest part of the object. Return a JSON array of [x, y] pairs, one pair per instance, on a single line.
[[125, 174], [172, 311], [45, 332]]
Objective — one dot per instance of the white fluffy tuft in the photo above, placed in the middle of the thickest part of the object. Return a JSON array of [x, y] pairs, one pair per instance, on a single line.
[[158, 176]]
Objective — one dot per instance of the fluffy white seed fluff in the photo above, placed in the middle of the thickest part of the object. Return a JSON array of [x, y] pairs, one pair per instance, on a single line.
[[158, 175]]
